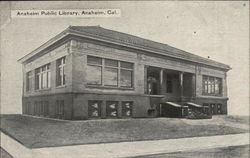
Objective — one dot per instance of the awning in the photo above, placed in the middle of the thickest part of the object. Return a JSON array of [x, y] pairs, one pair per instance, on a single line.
[[174, 104], [195, 105]]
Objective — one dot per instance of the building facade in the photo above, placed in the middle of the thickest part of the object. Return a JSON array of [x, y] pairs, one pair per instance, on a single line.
[[91, 72]]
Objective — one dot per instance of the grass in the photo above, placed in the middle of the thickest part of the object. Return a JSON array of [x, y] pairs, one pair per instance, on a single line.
[[227, 152], [239, 119], [38, 132]]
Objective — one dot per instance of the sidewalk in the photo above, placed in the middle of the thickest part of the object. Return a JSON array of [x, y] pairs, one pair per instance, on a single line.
[[124, 149]]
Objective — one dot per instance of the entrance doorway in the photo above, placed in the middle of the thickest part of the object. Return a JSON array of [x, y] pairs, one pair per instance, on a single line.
[[153, 81]]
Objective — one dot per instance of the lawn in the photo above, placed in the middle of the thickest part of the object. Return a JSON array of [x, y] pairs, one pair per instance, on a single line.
[[238, 119], [37, 132]]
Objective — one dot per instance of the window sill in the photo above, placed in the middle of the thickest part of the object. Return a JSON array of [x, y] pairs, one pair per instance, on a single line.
[[110, 87], [40, 90], [212, 95], [156, 96], [62, 86]]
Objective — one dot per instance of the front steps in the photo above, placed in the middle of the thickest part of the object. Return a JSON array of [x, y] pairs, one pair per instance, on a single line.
[[185, 110]]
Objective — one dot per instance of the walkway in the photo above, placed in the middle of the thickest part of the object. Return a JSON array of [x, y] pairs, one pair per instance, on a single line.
[[124, 149]]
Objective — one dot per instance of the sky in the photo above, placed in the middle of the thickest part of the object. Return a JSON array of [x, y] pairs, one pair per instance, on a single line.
[[219, 29]]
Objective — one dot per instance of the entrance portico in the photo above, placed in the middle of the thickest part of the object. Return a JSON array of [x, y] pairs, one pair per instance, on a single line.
[[171, 85]]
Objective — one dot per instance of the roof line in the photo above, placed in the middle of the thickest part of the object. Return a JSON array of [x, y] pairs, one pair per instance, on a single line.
[[169, 51], [88, 35], [45, 45], [79, 33]]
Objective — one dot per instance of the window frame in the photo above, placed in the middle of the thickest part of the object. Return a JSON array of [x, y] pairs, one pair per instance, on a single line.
[[110, 67], [219, 108], [108, 109], [124, 109], [209, 84], [212, 108], [126, 69], [60, 68], [99, 108], [45, 108], [104, 67], [29, 77], [60, 109], [40, 72]]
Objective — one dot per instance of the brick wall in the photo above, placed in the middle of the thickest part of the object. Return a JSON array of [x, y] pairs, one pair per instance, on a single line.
[[76, 93]]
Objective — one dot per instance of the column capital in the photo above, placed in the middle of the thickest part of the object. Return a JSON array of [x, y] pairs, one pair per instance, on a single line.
[[181, 72]]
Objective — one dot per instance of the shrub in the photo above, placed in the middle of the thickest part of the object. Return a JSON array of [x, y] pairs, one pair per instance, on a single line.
[[198, 115]]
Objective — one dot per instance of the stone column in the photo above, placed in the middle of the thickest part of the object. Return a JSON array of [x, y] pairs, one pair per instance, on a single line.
[[161, 81], [145, 79], [181, 85], [193, 86]]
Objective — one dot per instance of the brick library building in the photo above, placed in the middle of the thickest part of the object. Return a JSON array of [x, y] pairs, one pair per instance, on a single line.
[[88, 72]]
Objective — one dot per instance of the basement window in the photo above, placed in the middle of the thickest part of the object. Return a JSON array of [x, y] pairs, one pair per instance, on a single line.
[[112, 107], [60, 109], [219, 111], [127, 108], [94, 108]]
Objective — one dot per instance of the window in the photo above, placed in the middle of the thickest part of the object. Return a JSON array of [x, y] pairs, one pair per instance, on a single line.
[[94, 108], [41, 108], [127, 108], [212, 85], [94, 60], [111, 107], [107, 72], [46, 108], [28, 81], [44, 105], [111, 72], [219, 109], [110, 77], [206, 108], [36, 108], [94, 71], [217, 87], [213, 109], [26, 108], [42, 77], [60, 72], [126, 74], [60, 108]]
